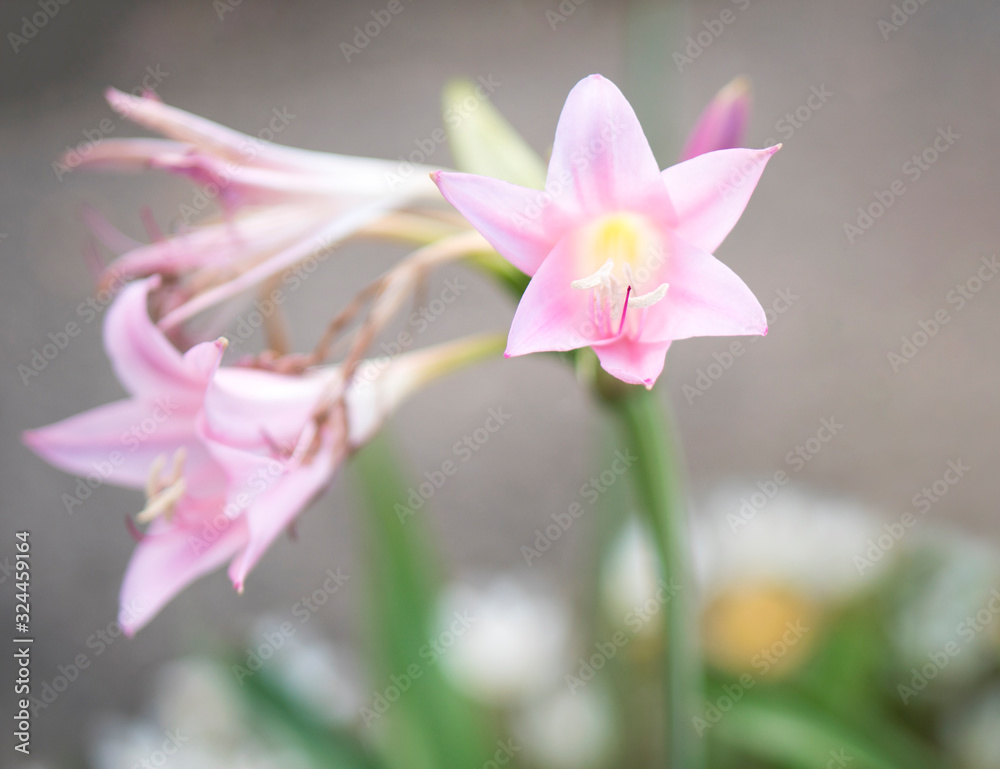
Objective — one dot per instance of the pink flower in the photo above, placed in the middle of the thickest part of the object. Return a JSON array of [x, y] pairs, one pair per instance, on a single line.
[[248, 449], [280, 204], [723, 123], [619, 253]]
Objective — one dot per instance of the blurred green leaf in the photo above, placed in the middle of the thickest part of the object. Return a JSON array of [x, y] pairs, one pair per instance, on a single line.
[[791, 732], [326, 746], [428, 724], [483, 142]]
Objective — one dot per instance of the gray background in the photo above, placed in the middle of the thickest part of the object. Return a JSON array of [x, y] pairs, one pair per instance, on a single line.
[[825, 357]]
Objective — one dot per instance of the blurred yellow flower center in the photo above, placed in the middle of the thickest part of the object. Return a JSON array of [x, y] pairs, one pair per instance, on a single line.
[[759, 628]]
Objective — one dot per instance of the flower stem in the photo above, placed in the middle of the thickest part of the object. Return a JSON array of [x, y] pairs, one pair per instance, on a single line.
[[656, 480]]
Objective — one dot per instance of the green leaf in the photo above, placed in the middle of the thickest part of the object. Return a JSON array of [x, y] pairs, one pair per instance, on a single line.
[[483, 142], [326, 746], [790, 732], [427, 725]]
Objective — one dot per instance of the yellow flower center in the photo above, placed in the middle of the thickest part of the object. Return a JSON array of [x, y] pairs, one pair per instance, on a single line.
[[620, 255]]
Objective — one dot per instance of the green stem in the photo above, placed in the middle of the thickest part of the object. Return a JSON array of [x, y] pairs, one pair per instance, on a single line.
[[657, 484]]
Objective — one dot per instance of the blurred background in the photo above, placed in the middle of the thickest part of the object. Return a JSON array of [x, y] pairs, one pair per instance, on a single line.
[[852, 93]]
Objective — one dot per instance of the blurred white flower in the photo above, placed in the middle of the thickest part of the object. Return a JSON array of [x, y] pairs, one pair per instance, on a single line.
[[567, 730], [513, 642], [313, 672], [801, 540], [953, 602]]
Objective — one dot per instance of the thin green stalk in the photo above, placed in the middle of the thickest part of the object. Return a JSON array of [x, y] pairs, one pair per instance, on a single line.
[[657, 484]]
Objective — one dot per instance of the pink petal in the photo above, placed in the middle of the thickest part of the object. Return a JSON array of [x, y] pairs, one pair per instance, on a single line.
[[119, 442], [143, 359], [600, 156], [166, 561], [552, 315], [178, 125], [250, 408], [125, 155], [274, 507], [632, 361], [710, 191], [510, 217], [325, 234], [723, 123], [705, 298]]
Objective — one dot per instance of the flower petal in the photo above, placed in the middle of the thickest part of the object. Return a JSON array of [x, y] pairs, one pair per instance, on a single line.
[[276, 506], [600, 155], [145, 362], [705, 298], [632, 361], [723, 123], [513, 219], [552, 315], [710, 191], [168, 559], [119, 442]]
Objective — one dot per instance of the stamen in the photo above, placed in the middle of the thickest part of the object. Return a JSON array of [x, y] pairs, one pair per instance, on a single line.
[[161, 497], [163, 503], [648, 300], [599, 278], [153, 485]]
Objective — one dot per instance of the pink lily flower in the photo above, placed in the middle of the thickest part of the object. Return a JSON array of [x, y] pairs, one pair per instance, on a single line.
[[619, 253], [723, 123], [248, 448], [280, 204]]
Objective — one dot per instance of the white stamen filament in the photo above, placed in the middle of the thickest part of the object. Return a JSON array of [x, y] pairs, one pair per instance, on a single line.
[[649, 299], [161, 497], [599, 278]]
